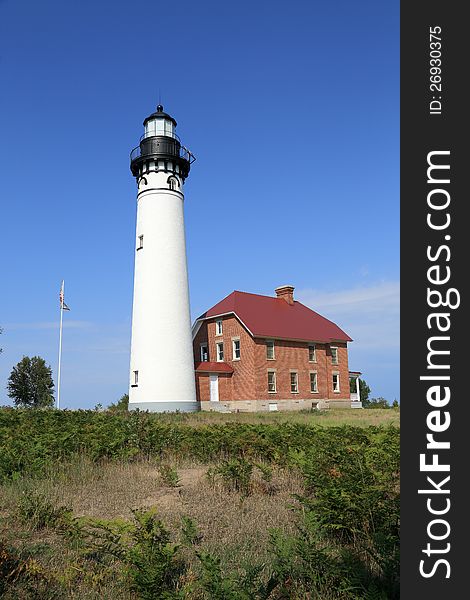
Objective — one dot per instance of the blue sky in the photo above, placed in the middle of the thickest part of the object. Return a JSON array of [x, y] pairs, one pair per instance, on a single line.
[[292, 111]]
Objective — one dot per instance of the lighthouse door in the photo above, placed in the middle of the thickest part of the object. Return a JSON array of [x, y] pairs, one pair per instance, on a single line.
[[214, 387]]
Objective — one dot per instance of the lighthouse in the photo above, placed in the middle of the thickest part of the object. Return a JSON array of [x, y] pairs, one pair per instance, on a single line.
[[161, 365]]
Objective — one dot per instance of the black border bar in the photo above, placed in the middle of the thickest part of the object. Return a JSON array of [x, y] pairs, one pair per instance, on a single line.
[[435, 259]]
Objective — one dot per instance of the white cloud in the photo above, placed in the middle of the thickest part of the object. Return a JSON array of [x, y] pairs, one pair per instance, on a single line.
[[369, 314]]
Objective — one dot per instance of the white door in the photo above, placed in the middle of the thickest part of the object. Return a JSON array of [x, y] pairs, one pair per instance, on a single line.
[[214, 386]]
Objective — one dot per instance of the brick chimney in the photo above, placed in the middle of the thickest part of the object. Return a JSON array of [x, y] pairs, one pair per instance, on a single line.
[[286, 292]]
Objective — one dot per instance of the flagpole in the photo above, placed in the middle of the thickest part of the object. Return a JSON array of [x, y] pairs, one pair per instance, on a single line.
[[60, 343]]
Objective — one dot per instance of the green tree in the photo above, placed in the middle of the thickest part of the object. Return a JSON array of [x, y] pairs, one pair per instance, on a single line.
[[377, 403], [30, 383], [121, 405]]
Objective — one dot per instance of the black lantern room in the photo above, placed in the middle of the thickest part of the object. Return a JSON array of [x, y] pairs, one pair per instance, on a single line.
[[158, 144]]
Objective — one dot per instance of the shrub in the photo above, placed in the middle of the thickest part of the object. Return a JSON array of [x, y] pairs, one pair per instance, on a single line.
[[154, 565], [351, 512], [169, 475], [38, 512], [235, 474], [21, 576]]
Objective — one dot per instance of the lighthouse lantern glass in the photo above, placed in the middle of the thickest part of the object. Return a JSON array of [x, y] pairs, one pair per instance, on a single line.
[[159, 127]]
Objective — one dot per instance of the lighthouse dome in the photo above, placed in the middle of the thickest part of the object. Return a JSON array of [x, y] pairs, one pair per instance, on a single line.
[[159, 123]]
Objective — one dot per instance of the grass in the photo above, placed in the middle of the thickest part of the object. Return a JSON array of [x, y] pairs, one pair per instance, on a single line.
[[325, 418], [234, 528], [232, 495]]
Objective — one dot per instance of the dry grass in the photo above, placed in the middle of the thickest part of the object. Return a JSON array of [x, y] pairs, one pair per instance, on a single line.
[[234, 528], [326, 418]]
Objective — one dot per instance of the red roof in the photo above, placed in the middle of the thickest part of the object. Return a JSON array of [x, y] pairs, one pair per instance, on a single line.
[[270, 317], [213, 367]]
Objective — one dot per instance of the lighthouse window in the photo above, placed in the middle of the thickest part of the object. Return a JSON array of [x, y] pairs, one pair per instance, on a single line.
[[220, 352], [168, 128], [136, 379], [172, 183], [140, 242]]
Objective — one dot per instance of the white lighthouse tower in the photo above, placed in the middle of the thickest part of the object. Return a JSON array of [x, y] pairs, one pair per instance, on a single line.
[[162, 364]]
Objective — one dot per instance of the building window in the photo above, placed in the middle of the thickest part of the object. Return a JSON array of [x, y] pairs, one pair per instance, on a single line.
[[313, 382], [336, 382], [235, 349], [218, 327], [272, 382], [334, 356], [140, 242], [135, 378], [204, 352], [294, 382], [270, 350], [220, 351], [312, 353], [172, 183]]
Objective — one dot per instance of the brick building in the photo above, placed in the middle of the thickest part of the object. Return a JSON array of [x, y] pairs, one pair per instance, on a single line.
[[255, 352]]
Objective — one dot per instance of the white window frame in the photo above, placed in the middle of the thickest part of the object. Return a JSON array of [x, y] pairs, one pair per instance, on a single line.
[[296, 391], [268, 345], [273, 373], [334, 355], [314, 359], [219, 327], [234, 341], [201, 346], [334, 374], [315, 373], [218, 346]]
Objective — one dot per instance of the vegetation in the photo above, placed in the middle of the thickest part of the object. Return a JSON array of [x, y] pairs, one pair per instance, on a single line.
[[380, 403], [122, 405], [30, 383], [364, 392], [31, 441], [106, 505]]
